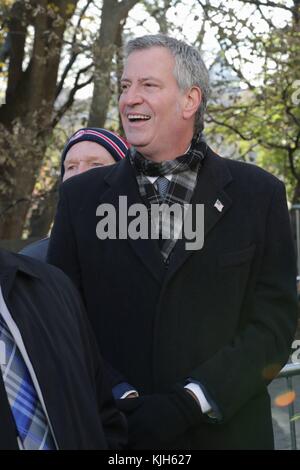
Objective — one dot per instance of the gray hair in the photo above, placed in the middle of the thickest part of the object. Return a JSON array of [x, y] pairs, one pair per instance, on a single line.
[[189, 69]]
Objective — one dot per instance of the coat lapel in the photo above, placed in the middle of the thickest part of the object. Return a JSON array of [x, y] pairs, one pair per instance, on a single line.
[[121, 181], [213, 177]]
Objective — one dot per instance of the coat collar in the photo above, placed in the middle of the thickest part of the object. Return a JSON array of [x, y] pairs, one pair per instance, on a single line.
[[213, 177], [11, 264]]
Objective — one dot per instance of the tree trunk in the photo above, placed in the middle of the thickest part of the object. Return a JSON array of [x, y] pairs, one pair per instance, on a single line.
[[114, 14], [43, 215], [296, 193], [25, 118]]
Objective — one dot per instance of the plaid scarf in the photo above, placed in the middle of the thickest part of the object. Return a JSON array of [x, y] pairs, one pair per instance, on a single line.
[[184, 170]]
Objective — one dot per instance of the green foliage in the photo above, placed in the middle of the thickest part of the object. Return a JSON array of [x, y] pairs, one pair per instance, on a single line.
[[264, 114]]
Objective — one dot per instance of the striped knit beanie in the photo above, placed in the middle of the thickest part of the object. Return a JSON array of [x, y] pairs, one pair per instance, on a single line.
[[112, 142]]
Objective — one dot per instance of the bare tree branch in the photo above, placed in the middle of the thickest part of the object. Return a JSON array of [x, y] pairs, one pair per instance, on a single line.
[[269, 3], [75, 49], [70, 100], [33, 198], [294, 172], [226, 47], [228, 126], [267, 20]]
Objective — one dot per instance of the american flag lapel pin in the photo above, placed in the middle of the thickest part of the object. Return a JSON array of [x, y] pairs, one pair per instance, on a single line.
[[218, 205]]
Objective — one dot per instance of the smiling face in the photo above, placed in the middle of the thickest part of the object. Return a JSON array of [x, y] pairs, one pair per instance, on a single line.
[[83, 156], [156, 114]]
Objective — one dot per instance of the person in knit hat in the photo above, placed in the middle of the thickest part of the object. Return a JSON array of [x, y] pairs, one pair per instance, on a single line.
[[87, 148], [91, 147]]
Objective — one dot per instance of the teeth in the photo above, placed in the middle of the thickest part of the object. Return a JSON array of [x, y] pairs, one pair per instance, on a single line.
[[138, 116]]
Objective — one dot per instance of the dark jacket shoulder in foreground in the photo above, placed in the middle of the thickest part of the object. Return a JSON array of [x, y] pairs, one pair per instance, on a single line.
[[37, 249], [52, 321]]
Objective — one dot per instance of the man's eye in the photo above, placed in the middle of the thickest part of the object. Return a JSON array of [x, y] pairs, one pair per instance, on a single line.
[[70, 167], [150, 85], [124, 86], [96, 164]]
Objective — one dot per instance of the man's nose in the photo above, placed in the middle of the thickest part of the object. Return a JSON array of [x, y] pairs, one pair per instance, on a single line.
[[133, 96], [82, 167]]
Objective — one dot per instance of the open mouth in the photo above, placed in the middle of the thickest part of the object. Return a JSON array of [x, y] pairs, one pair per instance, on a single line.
[[138, 117]]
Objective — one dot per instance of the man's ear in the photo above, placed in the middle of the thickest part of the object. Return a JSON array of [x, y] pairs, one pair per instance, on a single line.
[[192, 102]]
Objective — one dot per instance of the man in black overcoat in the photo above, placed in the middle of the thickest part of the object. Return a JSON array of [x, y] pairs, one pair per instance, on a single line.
[[194, 329]]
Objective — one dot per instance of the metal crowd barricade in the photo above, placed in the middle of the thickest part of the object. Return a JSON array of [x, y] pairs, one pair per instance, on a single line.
[[288, 372], [295, 221]]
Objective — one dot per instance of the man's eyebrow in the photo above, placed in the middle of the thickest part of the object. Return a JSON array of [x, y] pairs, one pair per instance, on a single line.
[[144, 79], [85, 158], [91, 157], [150, 78]]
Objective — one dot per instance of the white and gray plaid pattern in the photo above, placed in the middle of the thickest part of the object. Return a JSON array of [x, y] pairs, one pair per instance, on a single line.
[[179, 191]]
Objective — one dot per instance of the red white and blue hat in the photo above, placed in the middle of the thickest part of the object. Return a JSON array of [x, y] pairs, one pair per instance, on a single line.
[[112, 142]]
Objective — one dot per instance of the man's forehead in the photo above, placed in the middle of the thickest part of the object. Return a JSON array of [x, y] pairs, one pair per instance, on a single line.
[[143, 67], [86, 152]]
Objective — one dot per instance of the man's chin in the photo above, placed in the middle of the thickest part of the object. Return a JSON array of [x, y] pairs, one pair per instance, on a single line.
[[137, 143], [135, 138]]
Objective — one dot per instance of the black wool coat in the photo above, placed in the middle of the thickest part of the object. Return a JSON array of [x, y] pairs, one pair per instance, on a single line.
[[223, 316], [51, 319]]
